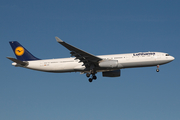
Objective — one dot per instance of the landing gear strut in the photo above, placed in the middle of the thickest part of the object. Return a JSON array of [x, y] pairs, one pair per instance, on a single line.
[[92, 73], [157, 70]]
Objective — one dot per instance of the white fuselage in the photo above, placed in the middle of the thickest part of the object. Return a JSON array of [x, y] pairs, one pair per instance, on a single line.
[[130, 60]]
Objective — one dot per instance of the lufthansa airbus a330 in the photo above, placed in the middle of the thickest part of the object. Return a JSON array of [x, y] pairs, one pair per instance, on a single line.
[[86, 63]]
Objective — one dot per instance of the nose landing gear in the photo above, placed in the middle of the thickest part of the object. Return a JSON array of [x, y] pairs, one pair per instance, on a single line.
[[157, 70]]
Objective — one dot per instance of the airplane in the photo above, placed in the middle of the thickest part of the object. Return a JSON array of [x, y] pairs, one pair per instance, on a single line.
[[86, 63]]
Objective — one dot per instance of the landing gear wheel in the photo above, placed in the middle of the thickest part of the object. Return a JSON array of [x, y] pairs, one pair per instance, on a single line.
[[87, 75], [90, 79], [94, 77]]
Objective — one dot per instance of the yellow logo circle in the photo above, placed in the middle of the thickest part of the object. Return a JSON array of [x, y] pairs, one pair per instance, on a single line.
[[19, 51]]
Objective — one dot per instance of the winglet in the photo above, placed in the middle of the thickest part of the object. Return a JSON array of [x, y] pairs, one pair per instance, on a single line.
[[58, 39]]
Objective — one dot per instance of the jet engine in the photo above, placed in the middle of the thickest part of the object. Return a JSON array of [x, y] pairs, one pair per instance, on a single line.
[[115, 73]]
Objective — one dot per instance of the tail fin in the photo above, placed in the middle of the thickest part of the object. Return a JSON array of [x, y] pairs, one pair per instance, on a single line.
[[21, 53]]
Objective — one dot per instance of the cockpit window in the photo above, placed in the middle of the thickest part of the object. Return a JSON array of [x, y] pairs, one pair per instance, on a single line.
[[167, 54]]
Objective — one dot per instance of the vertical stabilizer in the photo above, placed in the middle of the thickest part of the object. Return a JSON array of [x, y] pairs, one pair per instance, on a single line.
[[21, 53]]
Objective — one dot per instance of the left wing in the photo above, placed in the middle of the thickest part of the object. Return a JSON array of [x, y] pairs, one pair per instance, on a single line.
[[83, 56]]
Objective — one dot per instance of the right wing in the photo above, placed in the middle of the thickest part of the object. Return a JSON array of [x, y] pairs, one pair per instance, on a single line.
[[83, 56]]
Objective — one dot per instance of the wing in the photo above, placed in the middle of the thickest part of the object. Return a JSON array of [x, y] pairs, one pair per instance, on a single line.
[[83, 56]]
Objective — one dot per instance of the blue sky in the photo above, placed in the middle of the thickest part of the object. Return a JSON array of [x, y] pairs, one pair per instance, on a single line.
[[99, 27]]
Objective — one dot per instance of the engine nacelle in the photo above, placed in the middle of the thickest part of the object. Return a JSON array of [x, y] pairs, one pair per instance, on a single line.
[[109, 63], [115, 73]]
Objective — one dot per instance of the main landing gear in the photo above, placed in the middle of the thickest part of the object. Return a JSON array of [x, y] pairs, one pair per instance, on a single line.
[[92, 73], [157, 70], [93, 77]]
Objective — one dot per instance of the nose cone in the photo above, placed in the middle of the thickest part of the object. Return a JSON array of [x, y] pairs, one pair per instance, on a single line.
[[172, 58]]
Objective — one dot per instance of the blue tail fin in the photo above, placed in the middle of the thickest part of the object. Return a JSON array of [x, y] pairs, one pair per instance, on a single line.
[[21, 53]]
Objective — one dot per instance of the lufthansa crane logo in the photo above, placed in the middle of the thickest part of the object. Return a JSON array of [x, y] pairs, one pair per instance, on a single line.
[[19, 51]]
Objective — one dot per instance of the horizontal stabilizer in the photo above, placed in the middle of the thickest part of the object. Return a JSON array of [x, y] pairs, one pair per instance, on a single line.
[[17, 61]]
